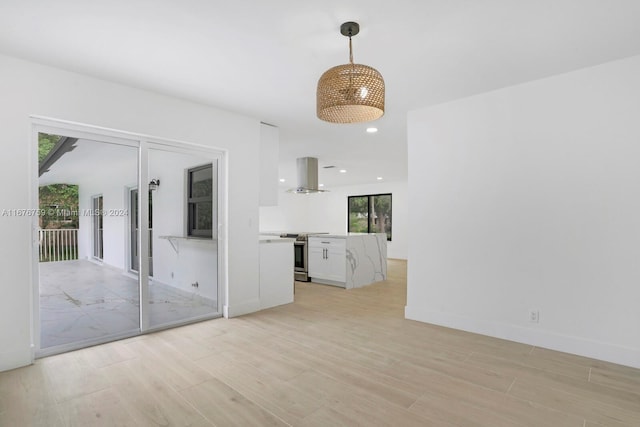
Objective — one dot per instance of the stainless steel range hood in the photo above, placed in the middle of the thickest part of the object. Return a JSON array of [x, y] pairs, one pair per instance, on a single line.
[[307, 176]]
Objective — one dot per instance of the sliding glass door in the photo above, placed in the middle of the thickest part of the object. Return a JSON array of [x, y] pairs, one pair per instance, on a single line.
[[128, 239]]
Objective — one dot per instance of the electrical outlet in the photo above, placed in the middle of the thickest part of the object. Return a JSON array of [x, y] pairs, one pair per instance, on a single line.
[[534, 316]]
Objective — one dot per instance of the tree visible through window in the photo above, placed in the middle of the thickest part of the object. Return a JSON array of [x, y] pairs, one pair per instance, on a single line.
[[370, 214], [58, 203]]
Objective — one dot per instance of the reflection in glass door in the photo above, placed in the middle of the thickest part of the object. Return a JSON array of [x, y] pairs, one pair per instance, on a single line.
[[134, 229], [185, 243]]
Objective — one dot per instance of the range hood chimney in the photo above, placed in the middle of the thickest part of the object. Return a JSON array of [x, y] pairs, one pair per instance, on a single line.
[[307, 176]]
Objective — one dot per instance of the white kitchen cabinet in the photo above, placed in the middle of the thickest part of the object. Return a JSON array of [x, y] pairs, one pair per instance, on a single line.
[[327, 259], [349, 261], [276, 272]]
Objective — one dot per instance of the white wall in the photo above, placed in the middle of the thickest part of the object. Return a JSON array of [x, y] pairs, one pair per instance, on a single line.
[[193, 261], [327, 212], [32, 89], [291, 213], [529, 198], [190, 261], [114, 226]]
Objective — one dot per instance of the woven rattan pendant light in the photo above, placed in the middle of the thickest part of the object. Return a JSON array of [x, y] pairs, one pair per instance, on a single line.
[[350, 93]]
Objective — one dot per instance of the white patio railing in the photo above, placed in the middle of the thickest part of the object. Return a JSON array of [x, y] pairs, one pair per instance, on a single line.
[[58, 244]]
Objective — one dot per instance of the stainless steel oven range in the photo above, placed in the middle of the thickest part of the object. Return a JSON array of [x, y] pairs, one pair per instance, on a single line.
[[300, 255], [300, 259]]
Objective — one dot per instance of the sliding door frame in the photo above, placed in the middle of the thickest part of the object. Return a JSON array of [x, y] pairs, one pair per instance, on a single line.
[[143, 143]]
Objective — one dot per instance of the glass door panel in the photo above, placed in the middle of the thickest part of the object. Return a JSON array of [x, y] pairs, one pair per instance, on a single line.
[[184, 286], [84, 297]]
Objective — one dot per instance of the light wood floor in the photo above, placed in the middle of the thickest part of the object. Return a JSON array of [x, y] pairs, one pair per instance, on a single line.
[[334, 357]]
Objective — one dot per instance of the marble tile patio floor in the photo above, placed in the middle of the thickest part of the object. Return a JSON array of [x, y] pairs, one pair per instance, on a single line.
[[81, 300]]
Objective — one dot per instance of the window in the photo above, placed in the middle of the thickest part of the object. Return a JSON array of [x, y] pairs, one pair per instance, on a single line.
[[200, 201], [369, 214]]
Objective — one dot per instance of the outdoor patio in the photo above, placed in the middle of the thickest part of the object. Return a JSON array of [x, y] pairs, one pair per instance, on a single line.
[[81, 300]]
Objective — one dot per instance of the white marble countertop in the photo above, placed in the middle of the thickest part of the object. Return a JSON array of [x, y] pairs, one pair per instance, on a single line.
[[273, 239], [344, 236], [278, 233]]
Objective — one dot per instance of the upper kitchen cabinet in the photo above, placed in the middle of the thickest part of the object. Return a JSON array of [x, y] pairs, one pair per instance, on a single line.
[[269, 156]]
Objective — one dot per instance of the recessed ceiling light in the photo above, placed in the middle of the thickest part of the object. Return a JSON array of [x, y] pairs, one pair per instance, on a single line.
[[379, 178], [282, 180], [343, 171], [320, 185], [372, 130]]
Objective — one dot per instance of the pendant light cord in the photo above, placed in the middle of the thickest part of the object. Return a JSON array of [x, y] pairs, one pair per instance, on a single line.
[[350, 51]]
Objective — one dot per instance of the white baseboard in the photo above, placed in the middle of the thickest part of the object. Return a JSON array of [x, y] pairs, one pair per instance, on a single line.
[[15, 359], [244, 307], [329, 282], [536, 337]]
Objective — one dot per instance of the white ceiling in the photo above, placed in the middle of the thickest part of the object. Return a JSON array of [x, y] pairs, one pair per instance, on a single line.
[[93, 163], [263, 58]]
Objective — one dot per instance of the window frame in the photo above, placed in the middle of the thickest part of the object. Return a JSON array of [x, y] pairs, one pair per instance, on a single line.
[[369, 202], [192, 202]]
